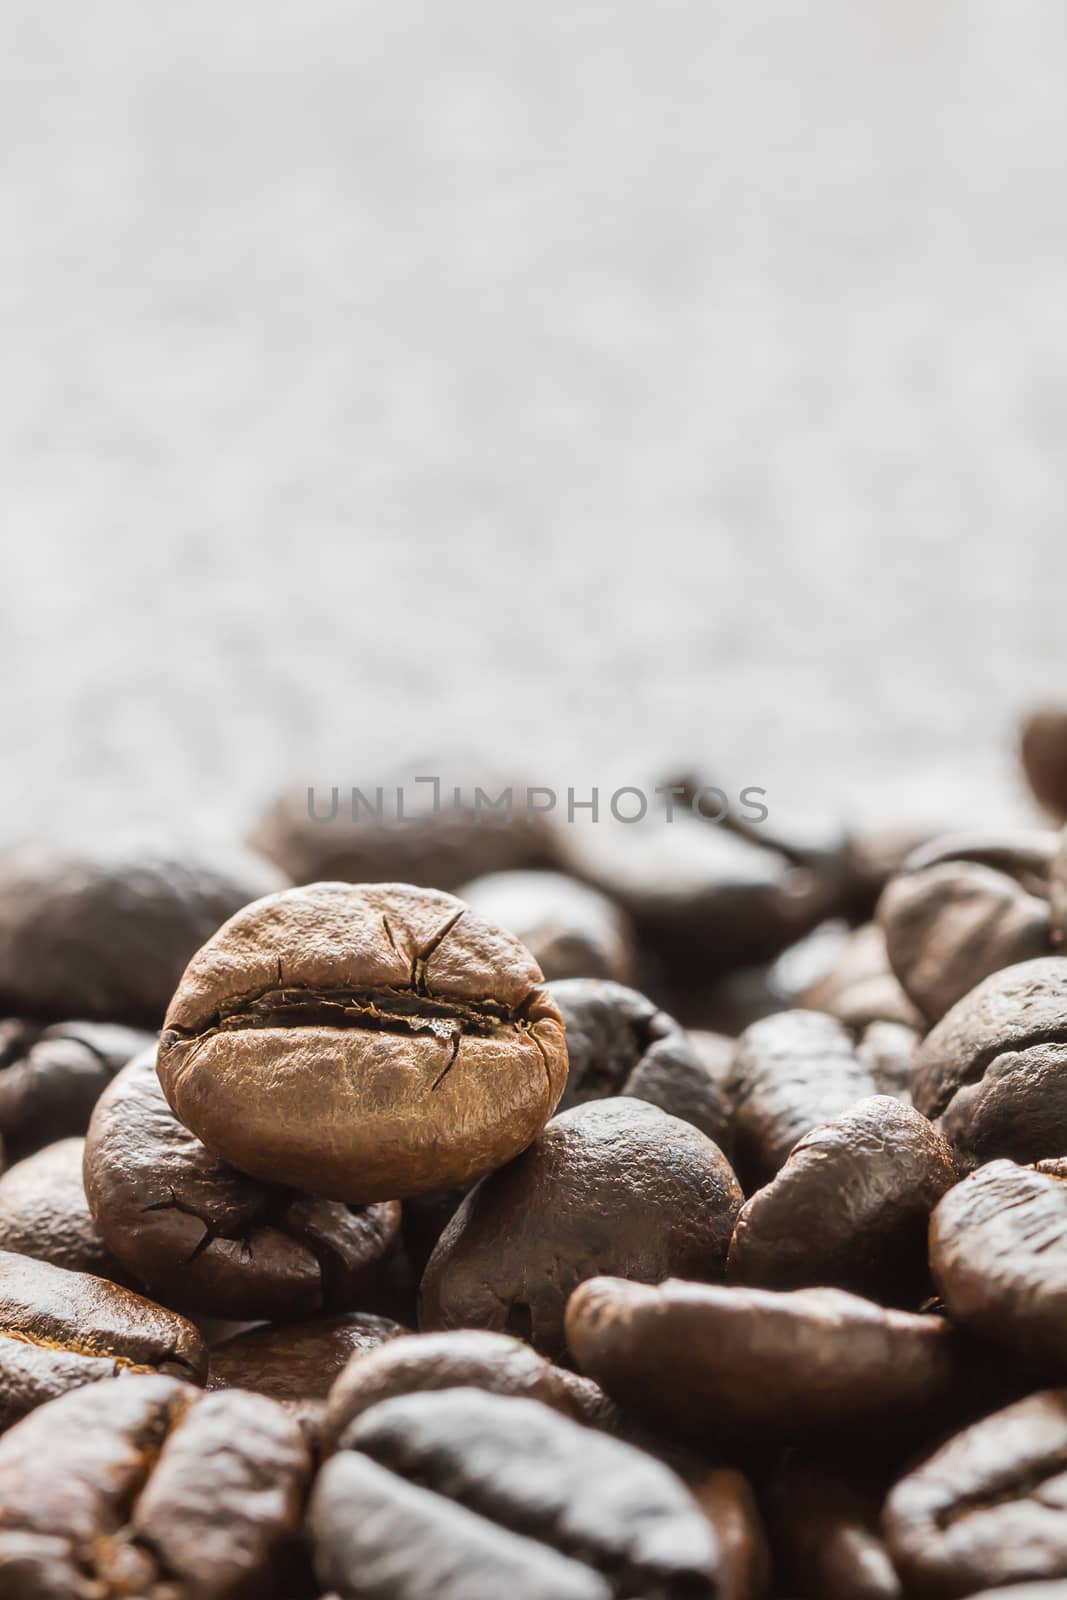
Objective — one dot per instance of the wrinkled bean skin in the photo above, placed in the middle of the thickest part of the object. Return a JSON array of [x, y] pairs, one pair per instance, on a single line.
[[363, 1043], [144, 1487], [517, 1466], [107, 935], [998, 1252], [570, 928], [51, 1078], [791, 1073], [620, 1043], [849, 1209], [204, 1238], [467, 1359], [988, 1507], [59, 1330], [44, 1213], [994, 1070], [951, 925], [743, 1364], [611, 1185]]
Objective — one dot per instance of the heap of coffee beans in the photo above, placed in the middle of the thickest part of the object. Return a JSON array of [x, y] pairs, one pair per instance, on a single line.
[[538, 1226]]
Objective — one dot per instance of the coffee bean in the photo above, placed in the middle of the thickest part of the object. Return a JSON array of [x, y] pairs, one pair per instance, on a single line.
[[849, 1209], [824, 1520], [363, 1043], [570, 929], [998, 1252], [1025, 856], [861, 987], [300, 1360], [59, 1330], [44, 1213], [440, 848], [950, 926], [994, 1070], [529, 1481], [1043, 749], [467, 1359], [107, 935], [51, 1078], [144, 1487], [202, 1237], [611, 1186], [889, 1050], [741, 1364], [725, 1496], [620, 1043], [791, 1073], [987, 1508]]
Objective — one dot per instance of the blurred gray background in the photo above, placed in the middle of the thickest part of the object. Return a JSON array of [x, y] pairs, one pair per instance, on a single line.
[[595, 384]]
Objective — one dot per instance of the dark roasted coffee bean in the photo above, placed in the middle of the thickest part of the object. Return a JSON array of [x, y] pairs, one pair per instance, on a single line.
[[59, 1330], [203, 1237], [363, 1043], [51, 1078], [145, 1487], [889, 1049], [440, 848], [298, 1360], [1043, 748], [791, 1073], [949, 926], [467, 1359], [612, 1186], [731, 1363], [702, 900], [619, 1043], [994, 1070], [988, 1507], [44, 1213], [570, 928], [108, 935], [516, 1468], [725, 1496], [860, 987], [850, 1208], [824, 1523], [998, 1253]]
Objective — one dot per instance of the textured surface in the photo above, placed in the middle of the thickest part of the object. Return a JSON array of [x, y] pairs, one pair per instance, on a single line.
[[350, 349]]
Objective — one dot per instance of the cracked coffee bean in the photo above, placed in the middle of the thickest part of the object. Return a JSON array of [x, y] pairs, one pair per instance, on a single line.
[[300, 1360], [59, 1330], [611, 1186], [949, 926], [998, 1253], [203, 1237], [466, 1359], [44, 1213], [570, 929], [51, 1078], [107, 935], [791, 1073], [464, 1495], [988, 1507], [440, 849], [993, 1072], [825, 1526], [714, 1363], [145, 1487], [861, 987], [849, 1209], [620, 1043], [363, 1043], [1043, 749]]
